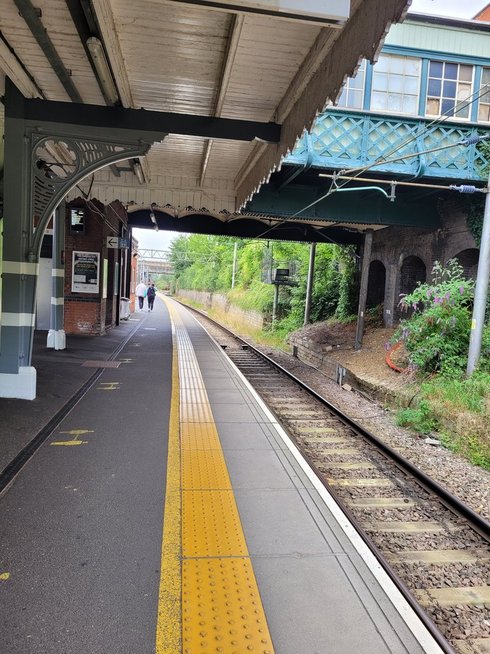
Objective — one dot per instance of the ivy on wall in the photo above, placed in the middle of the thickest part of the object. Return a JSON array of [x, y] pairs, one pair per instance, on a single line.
[[474, 216], [476, 203]]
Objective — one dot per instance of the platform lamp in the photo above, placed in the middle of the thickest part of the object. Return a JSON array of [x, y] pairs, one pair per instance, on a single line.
[[138, 171], [101, 65], [152, 216]]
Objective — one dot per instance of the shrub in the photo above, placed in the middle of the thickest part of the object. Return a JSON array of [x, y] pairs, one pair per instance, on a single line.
[[436, 336]]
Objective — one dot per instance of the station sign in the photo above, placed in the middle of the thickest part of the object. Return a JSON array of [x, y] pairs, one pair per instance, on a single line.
[[117, 243], [331, 12]]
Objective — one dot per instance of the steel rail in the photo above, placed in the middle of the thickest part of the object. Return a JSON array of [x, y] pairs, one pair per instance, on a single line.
[[479, 524]]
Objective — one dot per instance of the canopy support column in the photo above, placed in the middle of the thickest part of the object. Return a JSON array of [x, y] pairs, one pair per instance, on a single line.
[[43, 161], [309, 283], [366, 260]]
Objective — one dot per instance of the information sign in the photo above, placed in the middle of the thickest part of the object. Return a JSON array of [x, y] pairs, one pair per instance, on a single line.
[[85, 272]]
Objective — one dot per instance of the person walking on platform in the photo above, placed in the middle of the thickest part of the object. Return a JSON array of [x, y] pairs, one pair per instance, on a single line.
[[141, 294], [150, 296]]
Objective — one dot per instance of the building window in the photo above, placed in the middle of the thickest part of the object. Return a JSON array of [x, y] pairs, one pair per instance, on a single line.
[[353, 92], [396, 83], [484, 106], [448, 87]]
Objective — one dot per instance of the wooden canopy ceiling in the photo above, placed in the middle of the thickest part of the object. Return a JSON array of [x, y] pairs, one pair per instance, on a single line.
[[184, 58]]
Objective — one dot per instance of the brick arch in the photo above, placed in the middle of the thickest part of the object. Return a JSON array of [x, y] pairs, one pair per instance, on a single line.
[[412, 271], [376, 283], [469, 260]]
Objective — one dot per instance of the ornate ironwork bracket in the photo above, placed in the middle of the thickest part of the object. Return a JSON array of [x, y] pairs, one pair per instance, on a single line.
[[61, 159]]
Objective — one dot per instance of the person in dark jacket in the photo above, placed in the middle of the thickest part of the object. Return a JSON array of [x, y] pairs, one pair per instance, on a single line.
[[150, 296]]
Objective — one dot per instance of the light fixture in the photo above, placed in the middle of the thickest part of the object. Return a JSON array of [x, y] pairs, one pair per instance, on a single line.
[[138, 171], [103, 70], [152, 216]]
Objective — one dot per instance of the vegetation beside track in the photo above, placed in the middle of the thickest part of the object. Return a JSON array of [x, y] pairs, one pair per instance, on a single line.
[[435, 333]]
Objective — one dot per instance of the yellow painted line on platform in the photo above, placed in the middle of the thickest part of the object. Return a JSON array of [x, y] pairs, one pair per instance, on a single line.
[[77, 432], [169, 618], [220, 609], [4, 576], [108, 386], [70, 443]]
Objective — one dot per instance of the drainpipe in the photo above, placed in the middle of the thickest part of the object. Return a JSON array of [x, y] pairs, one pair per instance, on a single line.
[[309, 285], [366, 259], [481, 290]]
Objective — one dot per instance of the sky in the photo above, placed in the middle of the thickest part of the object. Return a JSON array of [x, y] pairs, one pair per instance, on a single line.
[[454, 8], [149, 239]]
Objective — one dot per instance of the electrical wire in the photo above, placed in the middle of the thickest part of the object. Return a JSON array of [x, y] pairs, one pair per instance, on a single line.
[[443, 119]]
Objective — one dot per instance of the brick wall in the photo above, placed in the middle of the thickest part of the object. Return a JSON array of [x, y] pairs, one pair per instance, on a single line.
[[91, 313], [83, 317], [393, 245]]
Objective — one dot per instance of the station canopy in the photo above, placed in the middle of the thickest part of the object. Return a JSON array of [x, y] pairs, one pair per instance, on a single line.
[[262, 69]]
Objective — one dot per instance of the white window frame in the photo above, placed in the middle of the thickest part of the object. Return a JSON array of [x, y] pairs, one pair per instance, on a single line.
[[351, 86], [387, 93]]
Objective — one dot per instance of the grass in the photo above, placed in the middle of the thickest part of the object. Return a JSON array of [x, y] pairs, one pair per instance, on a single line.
[[260, 336], [459, 410]]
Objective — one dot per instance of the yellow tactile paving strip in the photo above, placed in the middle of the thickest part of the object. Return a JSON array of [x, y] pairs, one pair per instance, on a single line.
[[220, 608], [204, 469], [210, 587]]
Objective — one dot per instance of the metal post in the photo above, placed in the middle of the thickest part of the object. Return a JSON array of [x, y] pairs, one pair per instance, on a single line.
[[234, 265], [56, 333], [481, 290], [276, 302], [366, 259], [309, 284]]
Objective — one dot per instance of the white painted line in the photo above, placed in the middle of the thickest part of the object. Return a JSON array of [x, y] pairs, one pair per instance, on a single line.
[[406, 612], [18, 319], [20, 268]]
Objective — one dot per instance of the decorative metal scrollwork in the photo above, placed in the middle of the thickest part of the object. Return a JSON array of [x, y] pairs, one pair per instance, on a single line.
[[58, 162]]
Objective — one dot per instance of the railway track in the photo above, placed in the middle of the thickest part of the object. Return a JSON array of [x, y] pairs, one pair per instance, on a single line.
[[435, 548]]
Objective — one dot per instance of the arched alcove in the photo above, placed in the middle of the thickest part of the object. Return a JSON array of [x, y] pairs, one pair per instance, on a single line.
[[412, 272], [376, 284], [469, 260]]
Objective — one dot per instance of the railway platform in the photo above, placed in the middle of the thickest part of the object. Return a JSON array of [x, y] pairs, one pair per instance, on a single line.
[[167, 511]]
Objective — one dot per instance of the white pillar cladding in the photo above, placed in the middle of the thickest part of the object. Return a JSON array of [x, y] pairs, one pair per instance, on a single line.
[[17, 376], [56, 334]]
